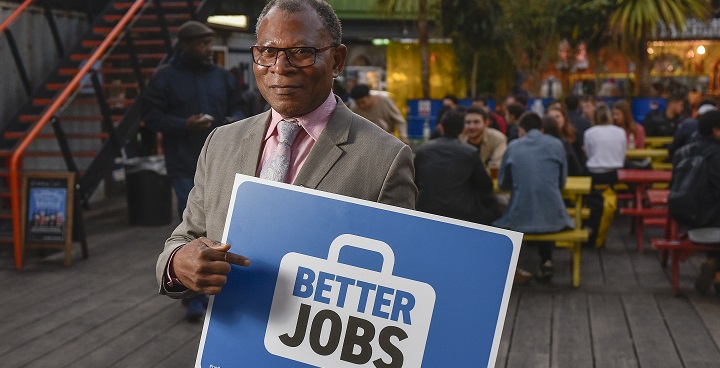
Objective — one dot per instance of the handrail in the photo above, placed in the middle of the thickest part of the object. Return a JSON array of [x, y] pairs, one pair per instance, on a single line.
[[47, 116], [15, 14]]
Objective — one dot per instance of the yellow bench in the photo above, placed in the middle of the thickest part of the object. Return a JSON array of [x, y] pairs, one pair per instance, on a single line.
[[571, 239]]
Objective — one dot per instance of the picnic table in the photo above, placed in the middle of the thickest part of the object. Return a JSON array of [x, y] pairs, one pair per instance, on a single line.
[[653, 154], [657, 142], [642, 179]]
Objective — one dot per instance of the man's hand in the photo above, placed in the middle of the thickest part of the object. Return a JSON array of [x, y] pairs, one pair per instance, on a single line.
[[199, 122], [202, 265]]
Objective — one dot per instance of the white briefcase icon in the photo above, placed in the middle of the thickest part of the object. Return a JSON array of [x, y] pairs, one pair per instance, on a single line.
[[329, 314]]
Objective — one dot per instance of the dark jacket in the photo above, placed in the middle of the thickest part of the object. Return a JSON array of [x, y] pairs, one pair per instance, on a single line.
[[683, 135], [656, 124], [711, 192], [452, 180], [179, 90]]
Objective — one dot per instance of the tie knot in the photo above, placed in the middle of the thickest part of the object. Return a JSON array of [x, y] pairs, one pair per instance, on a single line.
[[287, 131]]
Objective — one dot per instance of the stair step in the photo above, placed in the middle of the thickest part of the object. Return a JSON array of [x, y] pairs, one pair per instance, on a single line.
[[150, 17], [96, 43], [21, 135], [73, 71], [27, 118], [76, 154], [59, 86], [139, 29], [80, 101], [165, 4], [5, 214], [121, 56]]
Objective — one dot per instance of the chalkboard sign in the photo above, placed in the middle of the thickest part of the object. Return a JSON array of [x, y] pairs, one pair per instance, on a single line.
[[48, 211]]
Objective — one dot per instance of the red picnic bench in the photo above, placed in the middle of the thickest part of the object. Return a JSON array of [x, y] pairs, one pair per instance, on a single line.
[[642, 179]]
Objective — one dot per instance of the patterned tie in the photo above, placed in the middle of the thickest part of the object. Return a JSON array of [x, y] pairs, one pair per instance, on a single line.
[[276, 167]]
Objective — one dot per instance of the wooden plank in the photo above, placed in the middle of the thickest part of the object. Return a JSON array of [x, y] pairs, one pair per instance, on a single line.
[[508, 329], [591, 272], [131, 341], [709, 311], [693, 340], [47, 333], [612, 343], [184, 356], [161, 346], [532, 333], [617, 267], [96, 335], [571, 343], [652, 341]]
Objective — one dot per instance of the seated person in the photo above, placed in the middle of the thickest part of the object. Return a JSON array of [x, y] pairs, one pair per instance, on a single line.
[[534, 169], [707, 198], [605, 147], [491, 143], [451, 179], [379, 109]]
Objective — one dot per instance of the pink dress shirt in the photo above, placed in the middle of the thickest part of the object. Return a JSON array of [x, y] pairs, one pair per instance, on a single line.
[[312, 125]]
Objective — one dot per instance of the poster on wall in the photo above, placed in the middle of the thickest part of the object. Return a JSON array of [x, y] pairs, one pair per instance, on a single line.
[[340, 282]]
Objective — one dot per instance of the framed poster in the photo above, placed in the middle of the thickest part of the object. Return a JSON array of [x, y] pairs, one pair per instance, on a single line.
[[47, 210], [340, 282]]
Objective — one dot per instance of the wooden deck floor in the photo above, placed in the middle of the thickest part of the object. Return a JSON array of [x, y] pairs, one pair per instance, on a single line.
[[105, 311]]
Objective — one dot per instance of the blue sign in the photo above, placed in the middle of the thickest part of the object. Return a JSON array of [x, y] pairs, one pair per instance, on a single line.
[[340, 282]]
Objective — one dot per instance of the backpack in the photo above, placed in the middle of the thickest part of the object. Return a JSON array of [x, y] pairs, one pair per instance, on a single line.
[[690, 189]]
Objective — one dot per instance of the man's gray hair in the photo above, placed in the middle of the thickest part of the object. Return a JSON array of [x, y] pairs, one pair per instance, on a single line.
[[323, 9]]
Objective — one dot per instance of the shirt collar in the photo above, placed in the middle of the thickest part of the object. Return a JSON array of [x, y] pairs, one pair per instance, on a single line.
[[313, 123]]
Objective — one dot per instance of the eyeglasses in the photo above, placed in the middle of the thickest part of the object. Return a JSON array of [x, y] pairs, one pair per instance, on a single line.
[[298, 57]]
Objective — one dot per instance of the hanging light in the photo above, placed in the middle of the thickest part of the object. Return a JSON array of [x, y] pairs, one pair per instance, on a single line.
[[701, 50], [230, 21], [650, 50]]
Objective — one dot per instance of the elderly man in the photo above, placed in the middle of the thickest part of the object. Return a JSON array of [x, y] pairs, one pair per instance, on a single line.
[[297, 56], [491, 143]]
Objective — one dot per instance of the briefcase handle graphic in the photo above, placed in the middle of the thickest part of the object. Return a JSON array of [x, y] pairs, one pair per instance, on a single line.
[[363, 243]]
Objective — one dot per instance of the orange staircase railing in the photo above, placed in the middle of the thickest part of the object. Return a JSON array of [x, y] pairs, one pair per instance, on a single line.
[[14, 15], [48, 115]]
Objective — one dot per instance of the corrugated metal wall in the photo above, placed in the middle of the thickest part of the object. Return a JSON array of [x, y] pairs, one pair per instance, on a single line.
[[37, 49]]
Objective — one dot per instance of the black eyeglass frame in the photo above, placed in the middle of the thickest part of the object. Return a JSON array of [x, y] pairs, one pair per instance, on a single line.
[[285, 49]]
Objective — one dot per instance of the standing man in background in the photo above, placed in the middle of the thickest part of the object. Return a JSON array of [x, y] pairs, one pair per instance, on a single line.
[[379, 109], [185, 100]]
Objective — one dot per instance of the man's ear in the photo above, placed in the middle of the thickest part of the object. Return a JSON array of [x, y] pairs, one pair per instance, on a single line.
[[339, 58]]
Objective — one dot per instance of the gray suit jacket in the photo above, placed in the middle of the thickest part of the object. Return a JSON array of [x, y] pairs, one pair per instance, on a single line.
[[352, 157]]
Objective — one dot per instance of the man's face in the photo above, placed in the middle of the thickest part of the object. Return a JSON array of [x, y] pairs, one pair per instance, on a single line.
[[293, 91], [365, 103], [199, 50], [675, 108], [588, 109], [474, 125]]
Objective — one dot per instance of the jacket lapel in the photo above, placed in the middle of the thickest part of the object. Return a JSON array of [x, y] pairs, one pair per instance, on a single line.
[[251, 144], [326, 150]]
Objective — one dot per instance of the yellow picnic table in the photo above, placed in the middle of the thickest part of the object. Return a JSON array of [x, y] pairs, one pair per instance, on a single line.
[[653, 154], [657, 142]]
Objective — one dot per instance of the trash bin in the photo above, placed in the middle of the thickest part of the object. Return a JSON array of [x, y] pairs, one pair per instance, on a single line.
[[149, 191]]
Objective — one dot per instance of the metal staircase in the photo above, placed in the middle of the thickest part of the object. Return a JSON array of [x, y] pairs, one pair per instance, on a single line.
[[86, 110]]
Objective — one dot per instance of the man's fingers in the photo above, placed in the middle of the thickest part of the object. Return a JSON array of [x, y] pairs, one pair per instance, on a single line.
[[237, 259]]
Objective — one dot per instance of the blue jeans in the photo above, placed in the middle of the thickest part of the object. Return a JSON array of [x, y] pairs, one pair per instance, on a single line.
[[182, 187]]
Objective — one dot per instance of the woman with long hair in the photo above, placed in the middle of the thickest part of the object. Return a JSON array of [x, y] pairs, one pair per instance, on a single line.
[[567, 130], [622, 117], [551, 127]]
